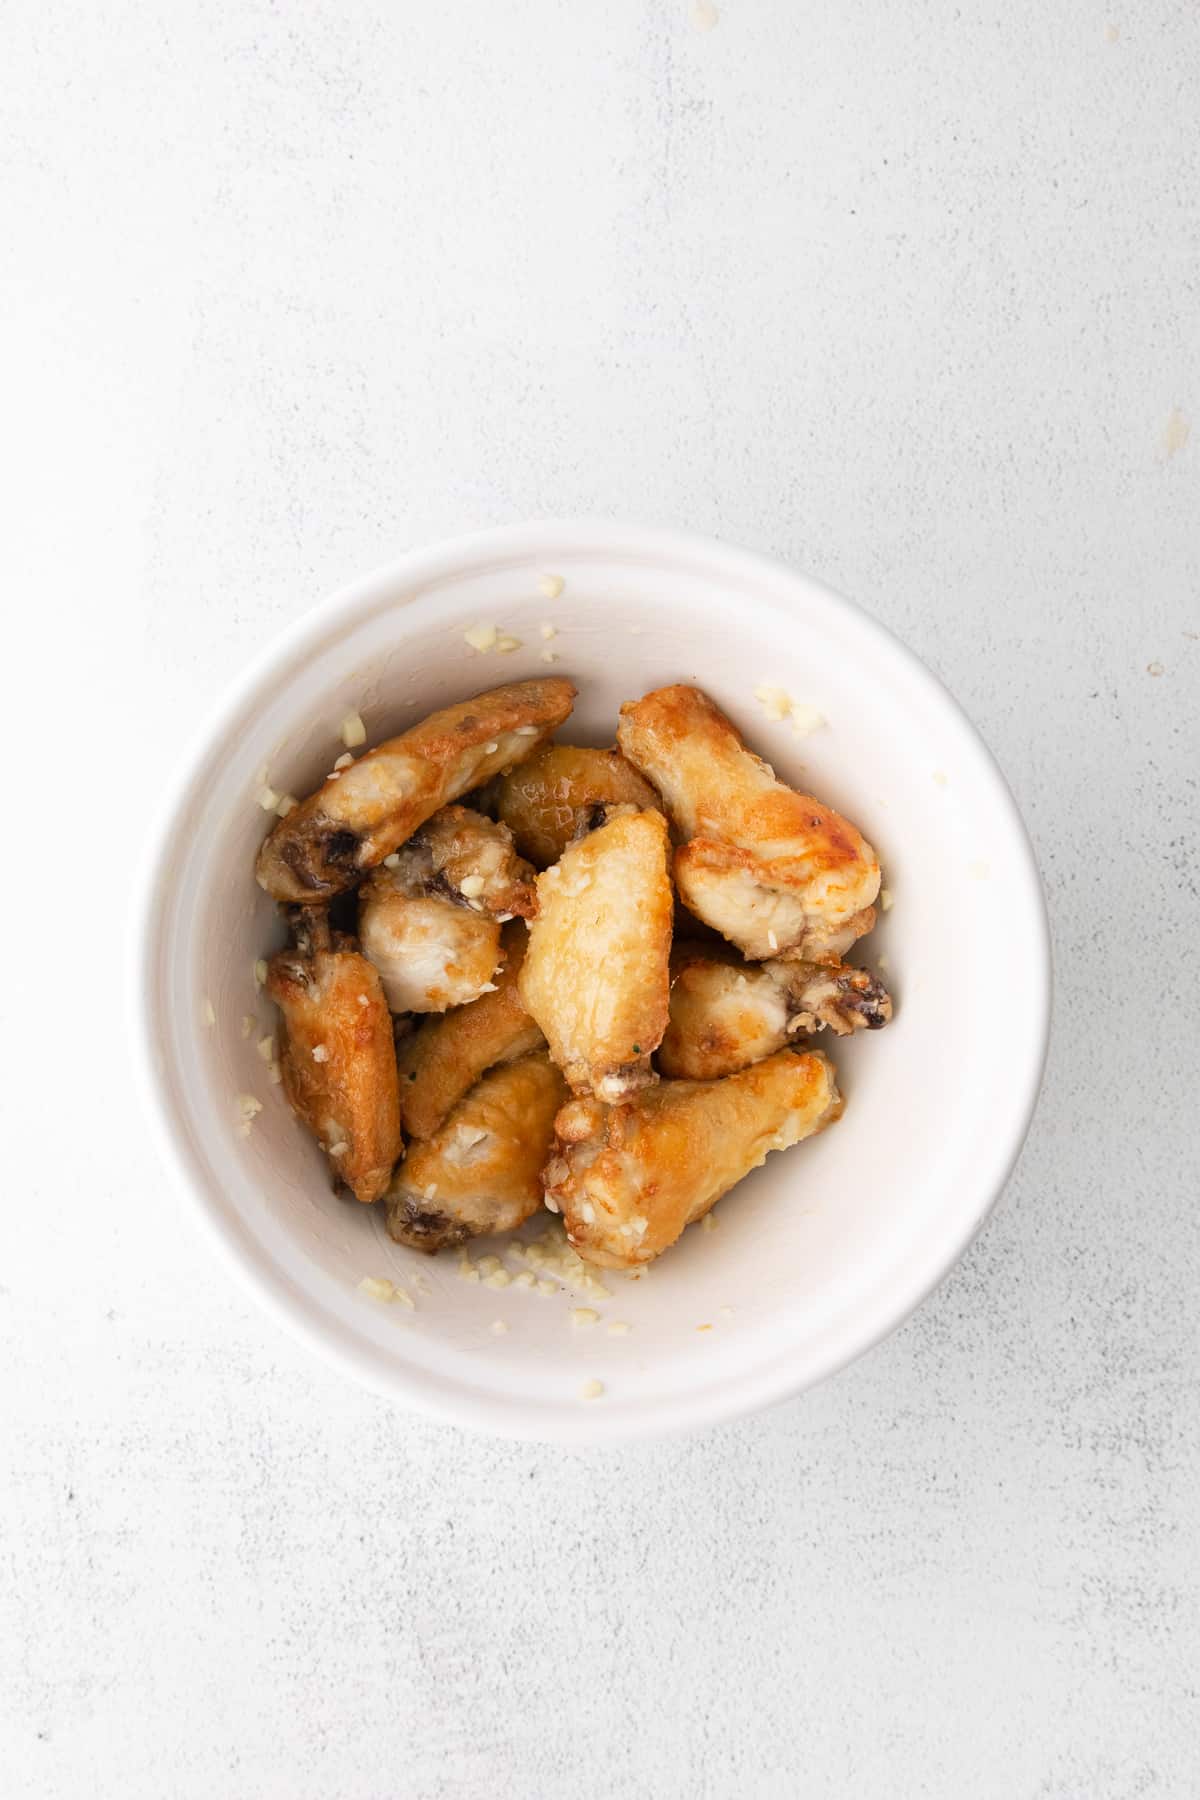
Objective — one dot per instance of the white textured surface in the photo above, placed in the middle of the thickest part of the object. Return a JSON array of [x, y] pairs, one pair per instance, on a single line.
[[906, 293]]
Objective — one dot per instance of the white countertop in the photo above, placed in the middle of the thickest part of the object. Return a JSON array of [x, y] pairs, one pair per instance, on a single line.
[[905, 293]]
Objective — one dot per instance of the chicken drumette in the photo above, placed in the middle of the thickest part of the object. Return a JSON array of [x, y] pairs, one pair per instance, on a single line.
[[776, 872], [726, 1013], [430, 922], [561, 792], [629, 1178]]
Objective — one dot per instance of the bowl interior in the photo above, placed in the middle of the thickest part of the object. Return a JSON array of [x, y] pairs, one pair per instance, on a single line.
[[819, 1252]]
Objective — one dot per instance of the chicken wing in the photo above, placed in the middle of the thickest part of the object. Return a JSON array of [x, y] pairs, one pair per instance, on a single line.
[[448, 1052], [774, 871], [364, 812], [481, 1171], [726, 1014], [628, 1179], [337, 1057], [562, 791], [472, 858], [430, 922], [596, 977]]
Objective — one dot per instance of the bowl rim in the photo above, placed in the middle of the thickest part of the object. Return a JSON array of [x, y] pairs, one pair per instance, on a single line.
[[542, 540]]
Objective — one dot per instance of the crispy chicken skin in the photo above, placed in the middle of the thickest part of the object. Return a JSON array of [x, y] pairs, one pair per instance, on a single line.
[[727, 1014], [444, 1057], [431, 922], [596, 970], [360, 815], [628, 1178], [336, 1055], [561, 792], [773, 870], [481, 1170]]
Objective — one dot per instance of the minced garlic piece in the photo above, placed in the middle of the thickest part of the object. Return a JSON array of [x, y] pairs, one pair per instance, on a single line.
[[285, 804], [620, 1328], [210, 1016], [805, 719], [709, 1222], [546, 1287], [343, 762], [551, 586], [467, 1270], [260, 971], [375, 1289], [548, 656], [487, 1265], [266, 1048], [591, 1390], [353, 732], [482, 638], [584, 1315], [268, 799], [499, 1278], [547, 630], [392, 861], [248, 1110], [249, 1024], [525, 1279], [886, 900], [506, 644], [778, 704], [319, 1053]]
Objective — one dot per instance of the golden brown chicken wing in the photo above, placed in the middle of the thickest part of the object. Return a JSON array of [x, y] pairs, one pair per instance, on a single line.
[[628, 1179], [726, 1013], [364, 812], [337, 1057], [560, 792], [430, 922], [595, 977], [444, 1058], [481, 1171], [774, 871]]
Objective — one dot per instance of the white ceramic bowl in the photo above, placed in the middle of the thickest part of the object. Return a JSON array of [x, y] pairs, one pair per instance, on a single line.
[[827, 1247]]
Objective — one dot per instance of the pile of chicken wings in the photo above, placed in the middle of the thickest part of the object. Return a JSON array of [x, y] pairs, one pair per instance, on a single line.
[[525, 974]]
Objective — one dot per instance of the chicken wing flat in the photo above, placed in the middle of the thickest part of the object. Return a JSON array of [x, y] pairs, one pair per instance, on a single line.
[[727, 1014], [364, 812], [629, 1178], [561, 792], [444, 1058], [596, 973], [481, 1171], [337, 1057], [773, 870]]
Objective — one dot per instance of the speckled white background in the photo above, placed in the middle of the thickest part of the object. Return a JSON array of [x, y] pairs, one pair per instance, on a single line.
[[905, 292]]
